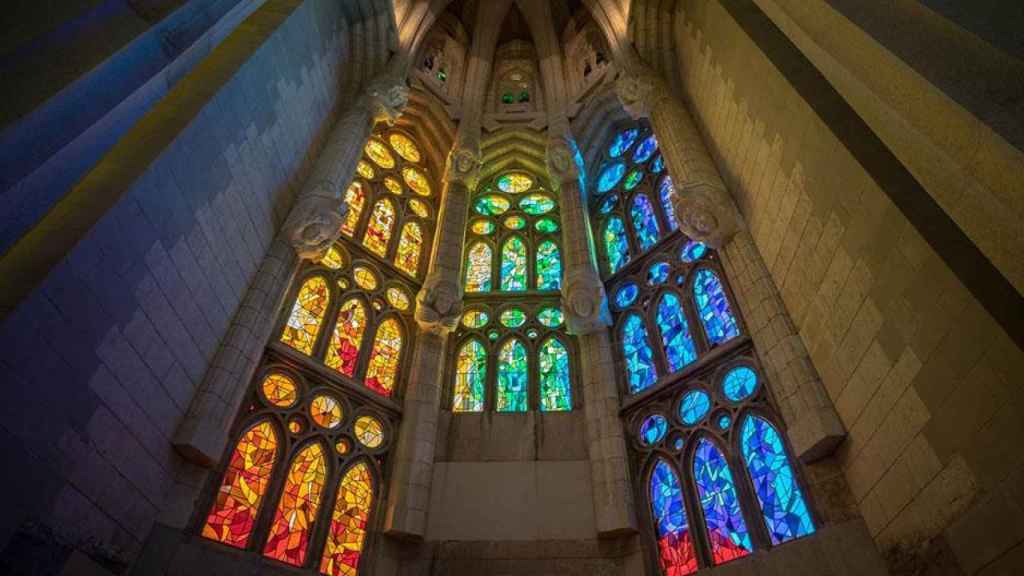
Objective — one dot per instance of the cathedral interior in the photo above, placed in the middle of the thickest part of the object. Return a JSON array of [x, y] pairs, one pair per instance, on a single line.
[[512, 287]]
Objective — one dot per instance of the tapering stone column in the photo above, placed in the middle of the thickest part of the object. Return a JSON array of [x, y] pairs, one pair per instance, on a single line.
[[586, 311], [438, 309], [313, 224]]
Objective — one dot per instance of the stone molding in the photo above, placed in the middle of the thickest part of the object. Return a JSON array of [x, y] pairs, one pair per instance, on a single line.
[[584, 302], [439, 304]]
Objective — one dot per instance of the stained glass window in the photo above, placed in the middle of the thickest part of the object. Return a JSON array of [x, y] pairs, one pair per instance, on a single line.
[[665, 192], [636, 176], [482, 227], [398, 298], [470, 377], [378, 231], [626, 295], [616, 244], [393, 186], [694, 406], [478, 268], [416, 180], [645, 224], [404, 146], [555, 388], [546, 226], [739, 384], [713, 307], [378, 152], [369, 432], [623, 141], [307, 315], [512, 377], [782, 502], [726, 529], [292, 526], [475, 319], [492, 205], [610, 177], [419, 208], [513, 265], [636, 348], [410, 244], [549, 266], [515, 222], [609, 203], [676, 552], [347, 533], [692, 251], [365, 278], [675, 333], [645, 150], [333, 259], [355, 197], [658, 273], [365, 170], [382, 370], [653, 429], [537, 204], [513, 318], [515, 183], [280, 390], [551, 317], [325, 411], [343, 351], [244, 485]]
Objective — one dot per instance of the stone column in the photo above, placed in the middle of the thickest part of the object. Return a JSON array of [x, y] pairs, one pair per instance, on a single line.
[[586, 311], [438, 309], [313, 224]]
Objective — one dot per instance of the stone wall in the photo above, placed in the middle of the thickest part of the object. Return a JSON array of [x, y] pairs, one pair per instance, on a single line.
[[924, 379]]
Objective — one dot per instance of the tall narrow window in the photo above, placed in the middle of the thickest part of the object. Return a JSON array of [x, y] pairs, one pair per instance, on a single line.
[[616, 245], [355, 197], [478, 268], [713, 307], [645, 224], [726, 529], [513, 265], [470, 378], [297, 509], [555, 388], [636, 347], [410, 244], [347, 534], [675, 543], [307, 315], [343, 352], [549, 266], [244, 485], [382, 371], [378, 231], [675, 333], [666, 191], [512, 377], [782, 502]]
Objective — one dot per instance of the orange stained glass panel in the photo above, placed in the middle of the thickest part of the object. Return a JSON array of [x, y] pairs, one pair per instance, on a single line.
[[280, 390], [307, 315], [292, 527], [326, 411], [244, 485], [343, 352], [378, 231], [355, 197], [410, 244], [347, 534], [383, 368]]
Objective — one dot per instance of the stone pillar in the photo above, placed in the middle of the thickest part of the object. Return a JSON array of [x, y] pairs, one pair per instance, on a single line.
[[313, 224], [438, 309], [586, 311]]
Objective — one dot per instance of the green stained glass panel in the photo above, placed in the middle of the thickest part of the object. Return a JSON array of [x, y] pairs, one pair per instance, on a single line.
[[634, 178], [492, 205], [616, 244], [555, 388], [551, 317], [513, 375], [513, 265], [546, 226], [537, 204], [513, 318], [549, 266], [475, 319]]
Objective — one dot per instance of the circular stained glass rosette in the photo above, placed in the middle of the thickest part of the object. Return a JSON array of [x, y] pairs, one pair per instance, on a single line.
[[626, 295], [610, 177], [658, 273], [645, 150], [419, 208], [514, 222], [493, 335], [608, 204], [398, 298], [492, 205], [475, 319], [537, 204], [653, 429], [546, 226], [724, 422], [333, 259], [694, 406], [623, 141], [739, 384], [634, 179], [378, 152], [404, 146], [658, 165], [364, 169], [393, 186], [280, 390], [678, 444], [692, 251], [416, 180], [515, 183], [365, 278], [513, 318], [369, 432], [551, 317], [325, 411], [482, 227], [342, 447], [532, 333]]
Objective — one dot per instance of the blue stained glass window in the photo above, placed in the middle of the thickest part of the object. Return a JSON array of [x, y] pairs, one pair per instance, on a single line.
[[549, 266], [626, 295], [724, 421], [636, 347], [692, 252], [713, 308], [782, 502], [610, 176], [644, 222], [646, 149], [665, 193], [513, 265], [726, 529], [623, 141], [658, 165], [616, 244], [739, 383], [653, 429], [512, 377], [658, 273], [694, 406], [675, 333], [608, 204], [676, 553]]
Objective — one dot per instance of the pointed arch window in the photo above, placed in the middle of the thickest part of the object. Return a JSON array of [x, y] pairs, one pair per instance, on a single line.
[[513, 265], [470, 378], [636, 348], [555, 384], [297, 509], [478, 268], [380, 227], [675, 333], [616, 245], [355, 198], [307, 315], [343, 351], [382, 371], [676, 552], [665, 192], [410, 244], [513, 377], [645, 224], [549, 266], [713, 307], [726, 530], [782, 502], [347, 534]]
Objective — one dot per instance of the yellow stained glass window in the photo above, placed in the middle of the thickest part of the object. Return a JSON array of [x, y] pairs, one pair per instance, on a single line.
[[325, 411], [478, 268], [378, 231], [410, 244], [378, 152], [398, 298], [280, 390], [382, 371], [369, 431], [515, 183], [404, 146], [292, 527], [393, 186], [416, 180], [365, 170], [333, 259], [307, 315], [347, 533], [355, 197], [241, 492], [365, 278], [343, 352], [419, 208]]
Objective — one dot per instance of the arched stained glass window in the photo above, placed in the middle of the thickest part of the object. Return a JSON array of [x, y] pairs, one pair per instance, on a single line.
[[347, 534], [382, 371], [307, 315], [410, 244], [243, 487], [726, 529], [470, 377], [513, 375], [513, 265], [782, 502], [297, 509], [355, 197], [675, 333], [343, 351], [636, 348], [713, 307], [549, 266], [645, 223], [616, 245], [555, 387], [676, 552], [478, 268], [665, 192], [378, 231]]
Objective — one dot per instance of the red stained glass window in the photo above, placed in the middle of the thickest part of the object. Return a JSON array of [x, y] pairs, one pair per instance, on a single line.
[[343, 352], [347, 535], [292, 527], [244, 485], [383, 368]]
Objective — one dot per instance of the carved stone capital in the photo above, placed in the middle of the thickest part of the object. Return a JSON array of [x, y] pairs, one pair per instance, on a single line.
[[706, 214], [315, 222], [561, 160], [439, 304], [463, 166], [387, 96], [585, 302], [640, 93]]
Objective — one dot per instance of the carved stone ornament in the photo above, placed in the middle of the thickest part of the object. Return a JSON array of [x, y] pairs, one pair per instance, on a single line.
[[315, 223], [463, 166], [439, 305], [706, 214], [561, 159], [640, 93], [388, 97], [585, 303]]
